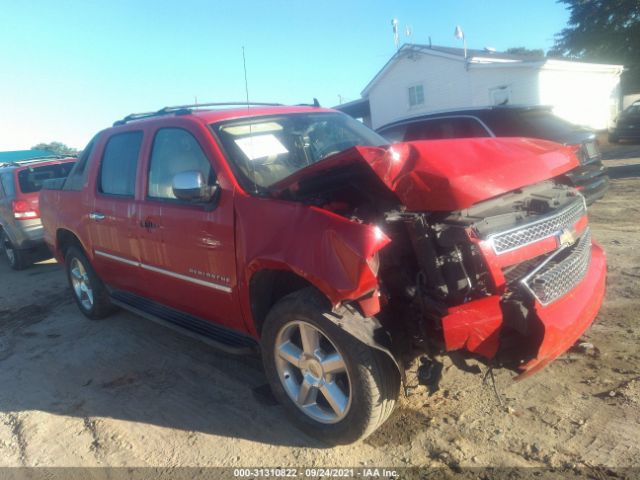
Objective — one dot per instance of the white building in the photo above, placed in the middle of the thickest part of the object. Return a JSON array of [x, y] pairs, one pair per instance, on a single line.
[[423, 79]]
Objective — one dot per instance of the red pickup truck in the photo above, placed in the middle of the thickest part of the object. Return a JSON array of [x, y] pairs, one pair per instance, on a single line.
[[298, 232]]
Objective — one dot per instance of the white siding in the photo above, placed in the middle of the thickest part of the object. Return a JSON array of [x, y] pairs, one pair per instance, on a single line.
[[522, 84], [446, 85], [582, 97], [585, 94]]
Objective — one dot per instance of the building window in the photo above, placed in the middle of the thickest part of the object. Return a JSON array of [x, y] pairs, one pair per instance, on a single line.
[[416, 95]]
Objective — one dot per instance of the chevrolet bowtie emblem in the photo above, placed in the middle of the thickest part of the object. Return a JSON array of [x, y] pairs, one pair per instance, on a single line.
[[566, 238]]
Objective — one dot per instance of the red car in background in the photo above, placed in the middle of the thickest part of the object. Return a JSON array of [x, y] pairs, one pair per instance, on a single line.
[[298, 232], [20, 226]]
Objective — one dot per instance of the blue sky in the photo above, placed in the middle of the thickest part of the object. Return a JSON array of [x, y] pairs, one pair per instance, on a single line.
[[70, 68]]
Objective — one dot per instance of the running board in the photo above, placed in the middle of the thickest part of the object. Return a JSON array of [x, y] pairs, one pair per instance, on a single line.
[[219, 337]]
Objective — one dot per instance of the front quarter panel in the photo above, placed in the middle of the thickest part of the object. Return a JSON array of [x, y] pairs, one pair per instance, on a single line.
[[327, 250]]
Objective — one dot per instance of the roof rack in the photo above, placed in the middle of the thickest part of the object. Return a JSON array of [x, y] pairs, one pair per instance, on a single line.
[[21, 163], [187, 109]]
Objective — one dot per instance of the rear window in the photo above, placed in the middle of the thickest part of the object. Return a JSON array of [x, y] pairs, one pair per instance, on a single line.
[[30, 179], [534, 123]]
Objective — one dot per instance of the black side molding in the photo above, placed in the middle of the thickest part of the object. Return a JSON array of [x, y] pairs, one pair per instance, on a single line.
[[221, 338]]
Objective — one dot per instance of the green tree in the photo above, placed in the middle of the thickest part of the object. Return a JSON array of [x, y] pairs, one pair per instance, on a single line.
[[526, 52], [606, 31], [56, 147]]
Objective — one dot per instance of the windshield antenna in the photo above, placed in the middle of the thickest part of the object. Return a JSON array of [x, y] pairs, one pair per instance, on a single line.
[[246, 90]]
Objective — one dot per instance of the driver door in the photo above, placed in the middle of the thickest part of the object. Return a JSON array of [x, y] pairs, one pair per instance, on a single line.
[[187, 249]]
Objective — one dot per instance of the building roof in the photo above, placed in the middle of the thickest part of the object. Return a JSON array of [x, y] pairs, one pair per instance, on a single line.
[[484, 58], [17, 155], [357, 108]]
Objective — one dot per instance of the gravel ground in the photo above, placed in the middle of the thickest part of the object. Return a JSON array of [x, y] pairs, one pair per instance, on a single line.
[[127, 392]]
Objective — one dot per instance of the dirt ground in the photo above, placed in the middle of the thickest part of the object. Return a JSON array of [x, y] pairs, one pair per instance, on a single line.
[[128, 392]]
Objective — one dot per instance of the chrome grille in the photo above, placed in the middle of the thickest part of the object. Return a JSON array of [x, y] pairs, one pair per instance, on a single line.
[[561, 272], [532, 232]]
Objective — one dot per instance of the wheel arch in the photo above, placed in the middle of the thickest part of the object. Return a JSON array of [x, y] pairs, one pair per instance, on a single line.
[[66, 238], [268, 286]]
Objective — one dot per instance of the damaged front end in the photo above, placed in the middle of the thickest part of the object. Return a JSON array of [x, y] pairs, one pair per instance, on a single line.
[[489, 253], [515, 280]]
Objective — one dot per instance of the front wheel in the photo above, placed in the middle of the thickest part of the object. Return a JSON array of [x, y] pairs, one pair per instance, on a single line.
[[334, 387], [89, 292]]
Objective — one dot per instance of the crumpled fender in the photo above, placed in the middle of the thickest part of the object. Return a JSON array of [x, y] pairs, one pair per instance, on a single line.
[[326, 249]]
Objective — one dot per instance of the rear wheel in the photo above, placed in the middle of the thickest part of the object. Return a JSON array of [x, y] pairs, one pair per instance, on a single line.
[[89, 292], [334, 387], [15, 257]]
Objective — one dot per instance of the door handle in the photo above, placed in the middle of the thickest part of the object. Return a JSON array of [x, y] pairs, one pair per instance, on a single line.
[[96, 216]]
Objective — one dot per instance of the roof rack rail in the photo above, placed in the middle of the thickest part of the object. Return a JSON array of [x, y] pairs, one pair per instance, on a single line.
[[20, 163], [187, 109]]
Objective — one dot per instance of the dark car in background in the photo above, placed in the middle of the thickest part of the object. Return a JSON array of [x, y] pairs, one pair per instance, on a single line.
[[511, 121], [21, 235], [627, 125]]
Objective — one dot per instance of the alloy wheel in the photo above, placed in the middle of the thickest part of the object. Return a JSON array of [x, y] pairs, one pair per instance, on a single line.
[[313, 372], [81, 284]]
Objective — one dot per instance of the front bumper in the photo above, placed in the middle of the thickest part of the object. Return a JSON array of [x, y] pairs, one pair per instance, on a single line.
[[591, 180], [565, 320], [477, 326], [595, 190], [26, 234]]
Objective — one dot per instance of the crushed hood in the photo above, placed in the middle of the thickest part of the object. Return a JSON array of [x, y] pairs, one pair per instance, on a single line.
[[447, 175]]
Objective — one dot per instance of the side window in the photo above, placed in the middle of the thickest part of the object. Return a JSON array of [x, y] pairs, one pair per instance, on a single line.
[[427, 130], [8, 185], [468, 128], [119, 162], [394, 134], [78, 174], [174, 151], [443, 128]]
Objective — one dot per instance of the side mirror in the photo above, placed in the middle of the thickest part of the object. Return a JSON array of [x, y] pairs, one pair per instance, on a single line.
[[191, 186]]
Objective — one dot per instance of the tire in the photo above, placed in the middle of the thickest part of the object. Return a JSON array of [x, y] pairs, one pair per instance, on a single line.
[[87, 289], [370, 381], [15, 258]]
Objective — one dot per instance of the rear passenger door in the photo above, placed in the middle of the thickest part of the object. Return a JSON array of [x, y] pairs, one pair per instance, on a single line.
[[113, 218], [187, 249]]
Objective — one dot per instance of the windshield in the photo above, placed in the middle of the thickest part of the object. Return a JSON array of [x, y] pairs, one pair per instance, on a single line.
[[30, 179], [266, 150]]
